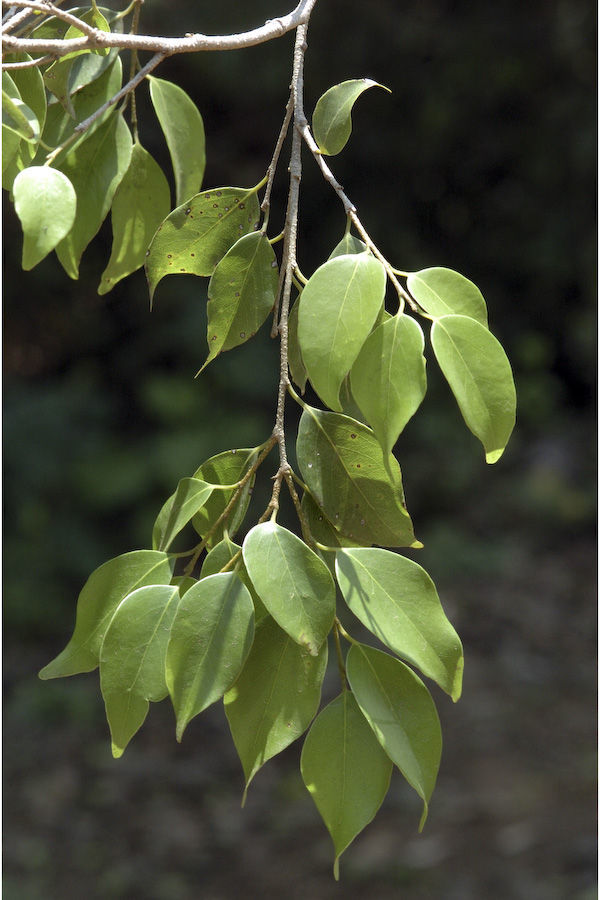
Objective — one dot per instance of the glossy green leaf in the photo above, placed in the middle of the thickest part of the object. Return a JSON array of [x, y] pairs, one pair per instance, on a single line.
[[101, 594], [210, 639], [30, 86], [45, 203], [183, 129], [480, 377], [332, 118], [443, 292], [95, 169], [402, 714], [198, 234], [294, 584], [360, 491], [338, 308], [18, 117], [241, 293], [132, 659], [59, 126], [141, 202], [397, 601], [224, 468], [178, 510], [348, 245], [388, 378], [275, 697], [295, 362], [345, 770], [218, 557]]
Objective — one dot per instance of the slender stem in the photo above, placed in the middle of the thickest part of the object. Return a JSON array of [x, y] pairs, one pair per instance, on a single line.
[[133, 65]]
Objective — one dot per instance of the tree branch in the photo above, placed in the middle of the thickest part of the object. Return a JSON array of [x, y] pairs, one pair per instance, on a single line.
[[191, 43]]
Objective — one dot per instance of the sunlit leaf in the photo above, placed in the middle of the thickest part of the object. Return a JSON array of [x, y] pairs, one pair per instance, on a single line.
[[183, 129], [332, 118], [18, 117], [294, 584], [397, 601], [345, 770], [30, 86], [57, 76], [217, 558], [101, 594], [480, 377], [442, 292], [241, 293], [132, 659], [388, 378], [360, 491], [338, 308], [224, 468], [348, 245], [198, 234], [402, 714], [210, 639], [178, 510], [45, 203], [275, 697], [95, 169], [141, 202]]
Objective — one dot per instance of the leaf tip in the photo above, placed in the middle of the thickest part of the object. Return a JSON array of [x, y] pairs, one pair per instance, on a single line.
[[336, 868], [117, 752], [493, 456], [417, 545], [423, 816]]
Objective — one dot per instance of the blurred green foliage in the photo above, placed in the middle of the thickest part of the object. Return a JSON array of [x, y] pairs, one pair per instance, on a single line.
[[482, 159]]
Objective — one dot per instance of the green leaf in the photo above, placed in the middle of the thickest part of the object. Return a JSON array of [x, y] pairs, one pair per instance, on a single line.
[[18, 117], [11, 142], [348, 245], [297, 367], [479, 374], [95, 169], [101, 594], [57, 76], [30, 85], [178, 510], [345, 770], [338, 308], [132, 659], [359, 489], [388, 378], [402, 714], [225, 468], [320, 527], [210, 640], [141, 202], [218, 557], [241, 293], [198, 234], [183, 583], [294, 584], [183, 129], [397, 601], [45, 203], [332, 118], [275, 697], [442, 292], [59, 126]]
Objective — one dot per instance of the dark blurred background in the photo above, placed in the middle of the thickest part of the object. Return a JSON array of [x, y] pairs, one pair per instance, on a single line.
[[482, 159]]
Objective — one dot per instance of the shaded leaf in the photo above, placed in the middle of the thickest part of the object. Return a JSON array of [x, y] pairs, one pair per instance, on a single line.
[[338, 308], [183, 129], [57, 76], [218, 557], [178, 510], [388, 378], [210, 639], [345, 770], [18, 117], [402, 714], [294, 584], [442, 292], [30, 85], [397, 601], [241, 293], [100, 596], [332, 118], [45, 203], [275, 697], [141, 202], [198, 234], [359, 489], [132, 659], [224, 468], [95, 169], [11, 142], [297, 368], [480, 377]]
